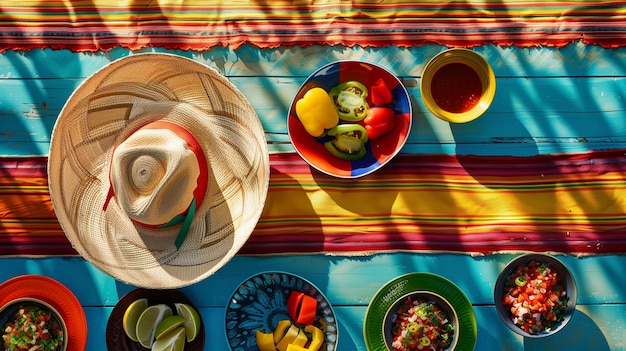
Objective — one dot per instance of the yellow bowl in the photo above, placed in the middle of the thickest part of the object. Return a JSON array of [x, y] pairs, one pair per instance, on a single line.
[[450, 89]]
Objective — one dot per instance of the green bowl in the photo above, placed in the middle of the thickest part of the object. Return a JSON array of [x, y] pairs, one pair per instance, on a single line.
[[441, 290]]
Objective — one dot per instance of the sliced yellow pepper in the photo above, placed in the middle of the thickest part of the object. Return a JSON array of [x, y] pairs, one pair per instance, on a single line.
[[301, 339], [281, 329], [288, 338], [316, 111], [294, 347], [317, 337], [265, 341]]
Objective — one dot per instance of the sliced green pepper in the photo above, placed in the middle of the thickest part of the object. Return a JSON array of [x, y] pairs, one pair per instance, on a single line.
[[349, 141], [349, 98], [521, 280]]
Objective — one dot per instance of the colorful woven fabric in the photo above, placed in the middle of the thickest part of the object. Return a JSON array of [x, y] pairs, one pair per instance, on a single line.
[[572, 203], [201, 24]]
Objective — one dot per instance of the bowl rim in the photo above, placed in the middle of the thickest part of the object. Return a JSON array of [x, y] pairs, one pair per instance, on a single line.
[[33, 300], [455, 318], [572, 292], [475, 61]]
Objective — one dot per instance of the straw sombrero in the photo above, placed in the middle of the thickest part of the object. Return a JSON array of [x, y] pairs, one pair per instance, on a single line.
[[158, 170]]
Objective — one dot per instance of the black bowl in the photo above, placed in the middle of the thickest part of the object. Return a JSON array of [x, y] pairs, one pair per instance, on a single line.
[[428, 297], [565, 277], [9, 310]]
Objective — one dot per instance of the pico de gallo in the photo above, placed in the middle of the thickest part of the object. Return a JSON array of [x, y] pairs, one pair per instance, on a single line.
[[33, 328], [535, 296], [421, 325]]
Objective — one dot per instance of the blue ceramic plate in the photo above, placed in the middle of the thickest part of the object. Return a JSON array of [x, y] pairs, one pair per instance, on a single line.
[[380, 150], [260, 302]]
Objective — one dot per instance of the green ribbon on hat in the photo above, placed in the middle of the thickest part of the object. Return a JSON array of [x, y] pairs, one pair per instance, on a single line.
[[185, 220]]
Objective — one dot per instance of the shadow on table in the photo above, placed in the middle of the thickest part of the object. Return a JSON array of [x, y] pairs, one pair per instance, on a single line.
[[581, 333]]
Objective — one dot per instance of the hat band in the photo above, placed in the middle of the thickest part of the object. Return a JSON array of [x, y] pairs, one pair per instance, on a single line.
[[199, 192]]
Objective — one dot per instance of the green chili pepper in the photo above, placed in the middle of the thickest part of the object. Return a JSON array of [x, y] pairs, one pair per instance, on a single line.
[[521, 280], [349, 98], [421, 312], [349, 141]]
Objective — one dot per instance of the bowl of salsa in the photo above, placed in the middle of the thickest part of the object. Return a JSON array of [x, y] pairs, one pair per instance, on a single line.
[[32, 324], [420, 311], [535, 295], [421, 320], [458, 85]]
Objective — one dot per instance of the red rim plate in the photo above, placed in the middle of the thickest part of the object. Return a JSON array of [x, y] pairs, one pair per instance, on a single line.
[[55, 294]]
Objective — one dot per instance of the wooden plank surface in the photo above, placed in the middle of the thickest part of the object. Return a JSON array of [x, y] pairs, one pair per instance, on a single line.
[[349, 284], [547, 101]]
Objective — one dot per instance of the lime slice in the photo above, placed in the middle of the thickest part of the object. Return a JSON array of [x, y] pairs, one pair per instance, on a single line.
[[148, 322], [167, 325], [192, 320], [133, 311], [172, 341]]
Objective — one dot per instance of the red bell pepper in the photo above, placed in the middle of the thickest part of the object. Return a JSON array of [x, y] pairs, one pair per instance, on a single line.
[[293, 303], [379, 121], [380, 93], [302, 308]]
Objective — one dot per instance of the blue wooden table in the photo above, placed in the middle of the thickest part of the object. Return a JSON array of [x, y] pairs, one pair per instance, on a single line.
[[549, 100]]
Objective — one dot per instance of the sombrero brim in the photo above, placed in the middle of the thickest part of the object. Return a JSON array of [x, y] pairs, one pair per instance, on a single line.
[[116, 100]]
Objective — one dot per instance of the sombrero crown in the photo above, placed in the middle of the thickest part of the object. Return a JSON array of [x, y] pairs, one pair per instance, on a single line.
[[158, 170]]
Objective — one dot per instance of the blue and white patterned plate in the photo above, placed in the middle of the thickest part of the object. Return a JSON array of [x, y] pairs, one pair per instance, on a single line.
[[260, 302]]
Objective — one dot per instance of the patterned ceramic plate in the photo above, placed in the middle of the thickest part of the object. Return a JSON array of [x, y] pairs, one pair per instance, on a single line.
[[398, 288], [260, 302], [379, 151]]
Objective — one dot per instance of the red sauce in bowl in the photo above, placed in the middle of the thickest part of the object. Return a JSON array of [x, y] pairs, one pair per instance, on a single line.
[[456, 87]]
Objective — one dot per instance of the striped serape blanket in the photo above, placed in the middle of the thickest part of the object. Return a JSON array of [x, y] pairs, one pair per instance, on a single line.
[[91, 25], [569, 203]]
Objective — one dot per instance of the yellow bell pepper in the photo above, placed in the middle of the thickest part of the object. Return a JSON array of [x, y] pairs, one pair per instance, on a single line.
[[265, 341], [281, 329], [301, 339], [316, 111], [288, 338], [294, 347], [317, 337]]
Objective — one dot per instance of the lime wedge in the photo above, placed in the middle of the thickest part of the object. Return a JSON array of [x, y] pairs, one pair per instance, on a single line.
[[133, 311], [192, 320], [172, 341], [148, 322], [167, 325]]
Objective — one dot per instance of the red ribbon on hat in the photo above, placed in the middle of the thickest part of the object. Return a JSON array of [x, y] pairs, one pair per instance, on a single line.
[[186, 216]]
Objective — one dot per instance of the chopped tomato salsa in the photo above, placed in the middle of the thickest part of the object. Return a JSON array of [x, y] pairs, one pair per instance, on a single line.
[[421, 325], [536, 297], [32, 328]]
